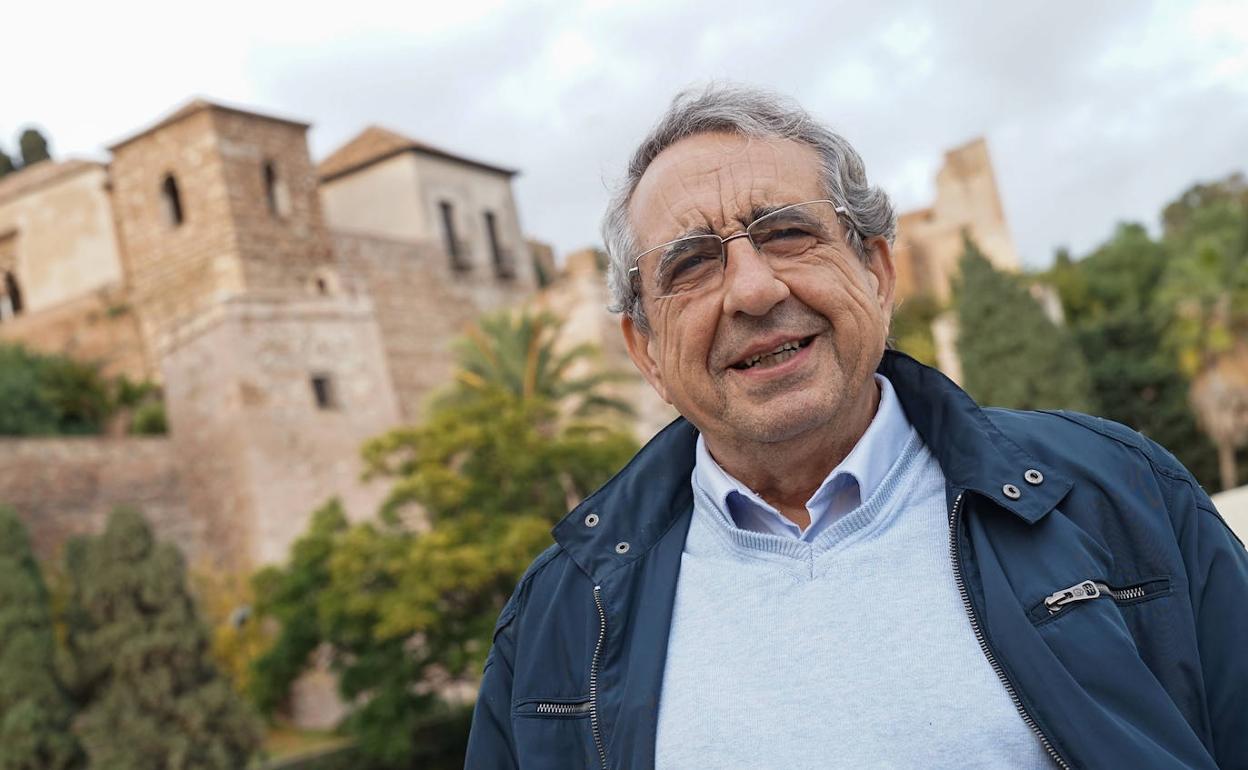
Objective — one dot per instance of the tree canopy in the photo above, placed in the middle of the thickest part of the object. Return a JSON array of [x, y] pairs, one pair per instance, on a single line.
[[33, 146], [35, 710], [141, 660], [1012, 354]]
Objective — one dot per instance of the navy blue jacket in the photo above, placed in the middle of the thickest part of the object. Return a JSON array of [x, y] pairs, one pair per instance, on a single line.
[[1106, 591]]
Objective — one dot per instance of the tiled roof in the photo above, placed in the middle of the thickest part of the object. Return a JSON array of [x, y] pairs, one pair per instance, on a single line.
[[375, 144], [19, 183], [197, 105]]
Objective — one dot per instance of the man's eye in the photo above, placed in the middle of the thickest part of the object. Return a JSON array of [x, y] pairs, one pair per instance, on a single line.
[[782, 233], [689, 272]]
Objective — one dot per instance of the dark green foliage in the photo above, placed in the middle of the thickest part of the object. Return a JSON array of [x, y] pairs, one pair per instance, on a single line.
[[1205, 288], [41, 395], [149, 419], [141, 662], [47, 395], [289, 595], [6, 164], [33, 146], [35, 711], [1111, 300], [1012, 354]]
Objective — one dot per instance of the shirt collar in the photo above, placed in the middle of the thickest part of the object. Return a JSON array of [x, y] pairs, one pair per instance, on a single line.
[[853, 480]]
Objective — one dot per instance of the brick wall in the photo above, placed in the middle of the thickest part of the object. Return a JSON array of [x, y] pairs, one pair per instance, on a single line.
[[100, 327], [67, 486], [175, 271], [421, 305]]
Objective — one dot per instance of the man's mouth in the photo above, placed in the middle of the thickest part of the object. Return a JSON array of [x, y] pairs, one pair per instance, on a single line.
[[774, 357]]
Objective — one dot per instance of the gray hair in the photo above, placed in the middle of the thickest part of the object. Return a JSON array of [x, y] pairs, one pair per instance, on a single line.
[[747, 112]]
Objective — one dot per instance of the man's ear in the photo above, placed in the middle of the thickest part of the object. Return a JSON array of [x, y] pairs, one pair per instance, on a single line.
[[883, 272], [638, 343]]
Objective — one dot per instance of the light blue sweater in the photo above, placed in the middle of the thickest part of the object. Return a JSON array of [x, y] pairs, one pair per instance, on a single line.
[[851, 650]]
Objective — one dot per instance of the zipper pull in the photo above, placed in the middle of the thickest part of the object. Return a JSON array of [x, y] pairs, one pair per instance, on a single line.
[[1076, 593]]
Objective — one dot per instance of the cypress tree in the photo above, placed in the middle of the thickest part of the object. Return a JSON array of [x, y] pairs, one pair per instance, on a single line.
[[35, 711], [154, 698], [1012, 354], [33, 146]]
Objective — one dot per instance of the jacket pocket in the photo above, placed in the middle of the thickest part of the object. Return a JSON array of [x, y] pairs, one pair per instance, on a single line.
[[1066, 599], [553, 734]]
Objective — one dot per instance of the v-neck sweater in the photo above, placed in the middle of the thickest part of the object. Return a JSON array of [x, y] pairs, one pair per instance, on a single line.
[[850, 650]]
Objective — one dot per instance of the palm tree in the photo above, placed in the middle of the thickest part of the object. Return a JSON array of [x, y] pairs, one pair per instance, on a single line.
[[518, 352], [1219, 396], [1206, 286]]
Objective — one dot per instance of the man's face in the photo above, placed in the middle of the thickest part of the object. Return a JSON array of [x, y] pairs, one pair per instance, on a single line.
[[837, 309]]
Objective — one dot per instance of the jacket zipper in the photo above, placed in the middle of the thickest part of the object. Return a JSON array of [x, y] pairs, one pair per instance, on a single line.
[[561, 709], [1093, 589], [955, 555], [593, 678]]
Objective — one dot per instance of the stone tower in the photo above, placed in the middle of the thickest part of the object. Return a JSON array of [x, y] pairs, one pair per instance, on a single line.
[[929, 240], [273, 376]]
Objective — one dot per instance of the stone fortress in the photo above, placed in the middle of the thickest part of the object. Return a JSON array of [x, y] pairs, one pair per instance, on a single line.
[[292, 310]]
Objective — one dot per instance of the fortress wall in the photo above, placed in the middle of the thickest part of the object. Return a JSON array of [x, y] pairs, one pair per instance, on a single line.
[[67, 486], [421, 305], [100, 327]]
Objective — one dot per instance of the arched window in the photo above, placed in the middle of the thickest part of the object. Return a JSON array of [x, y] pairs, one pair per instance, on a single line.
[[275, 193], [11, 298], [172, 200]]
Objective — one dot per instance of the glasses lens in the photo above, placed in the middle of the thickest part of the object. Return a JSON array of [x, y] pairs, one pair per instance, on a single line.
[[684, 266], [795, 232]]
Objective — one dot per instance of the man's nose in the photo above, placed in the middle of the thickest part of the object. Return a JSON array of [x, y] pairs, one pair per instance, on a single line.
[[750, 285]]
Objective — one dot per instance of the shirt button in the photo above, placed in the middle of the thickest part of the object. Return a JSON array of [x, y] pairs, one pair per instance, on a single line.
[[1011, 491], [1033, 476], [591, 520], [621, 548]]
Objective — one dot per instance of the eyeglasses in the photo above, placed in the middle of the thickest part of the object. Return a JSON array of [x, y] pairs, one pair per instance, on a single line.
[[796, 234]]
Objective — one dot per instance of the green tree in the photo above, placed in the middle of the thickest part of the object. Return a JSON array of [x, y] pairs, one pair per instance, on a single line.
[[290, 595], [35, 710], [33, 146], [141, 658], [1111, 301], [519, 352], [1206, 290], [408, 609], [6, 164], [1012, 354]]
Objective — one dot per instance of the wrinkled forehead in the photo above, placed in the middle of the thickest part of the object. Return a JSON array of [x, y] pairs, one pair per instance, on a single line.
[[714, 182]]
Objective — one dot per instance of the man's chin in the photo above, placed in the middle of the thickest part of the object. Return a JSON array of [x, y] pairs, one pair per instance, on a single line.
[[785, 420]]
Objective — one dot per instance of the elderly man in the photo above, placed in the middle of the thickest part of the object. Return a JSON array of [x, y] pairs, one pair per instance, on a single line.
[[836, 558]]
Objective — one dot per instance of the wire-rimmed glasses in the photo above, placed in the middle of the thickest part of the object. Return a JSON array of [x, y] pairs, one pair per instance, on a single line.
[[793, 234]]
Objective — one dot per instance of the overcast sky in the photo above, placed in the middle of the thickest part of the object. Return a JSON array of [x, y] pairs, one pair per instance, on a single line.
[[1095, 112]]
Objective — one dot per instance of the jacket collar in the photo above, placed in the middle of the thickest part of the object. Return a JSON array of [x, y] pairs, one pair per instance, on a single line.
[[620, 522]]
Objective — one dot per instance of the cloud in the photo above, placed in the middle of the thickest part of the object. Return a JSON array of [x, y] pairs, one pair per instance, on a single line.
[[1094, 112]]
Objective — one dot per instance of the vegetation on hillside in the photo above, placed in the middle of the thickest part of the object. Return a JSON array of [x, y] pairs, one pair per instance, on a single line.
[[1012, 354]]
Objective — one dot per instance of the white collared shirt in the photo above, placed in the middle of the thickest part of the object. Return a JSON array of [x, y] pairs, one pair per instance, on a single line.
[[843, 490]]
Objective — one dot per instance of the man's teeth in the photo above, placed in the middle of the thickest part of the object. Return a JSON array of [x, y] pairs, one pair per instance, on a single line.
[[774, 357]]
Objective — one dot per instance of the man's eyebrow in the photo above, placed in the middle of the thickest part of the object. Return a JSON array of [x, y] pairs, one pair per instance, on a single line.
[[758, 212]]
